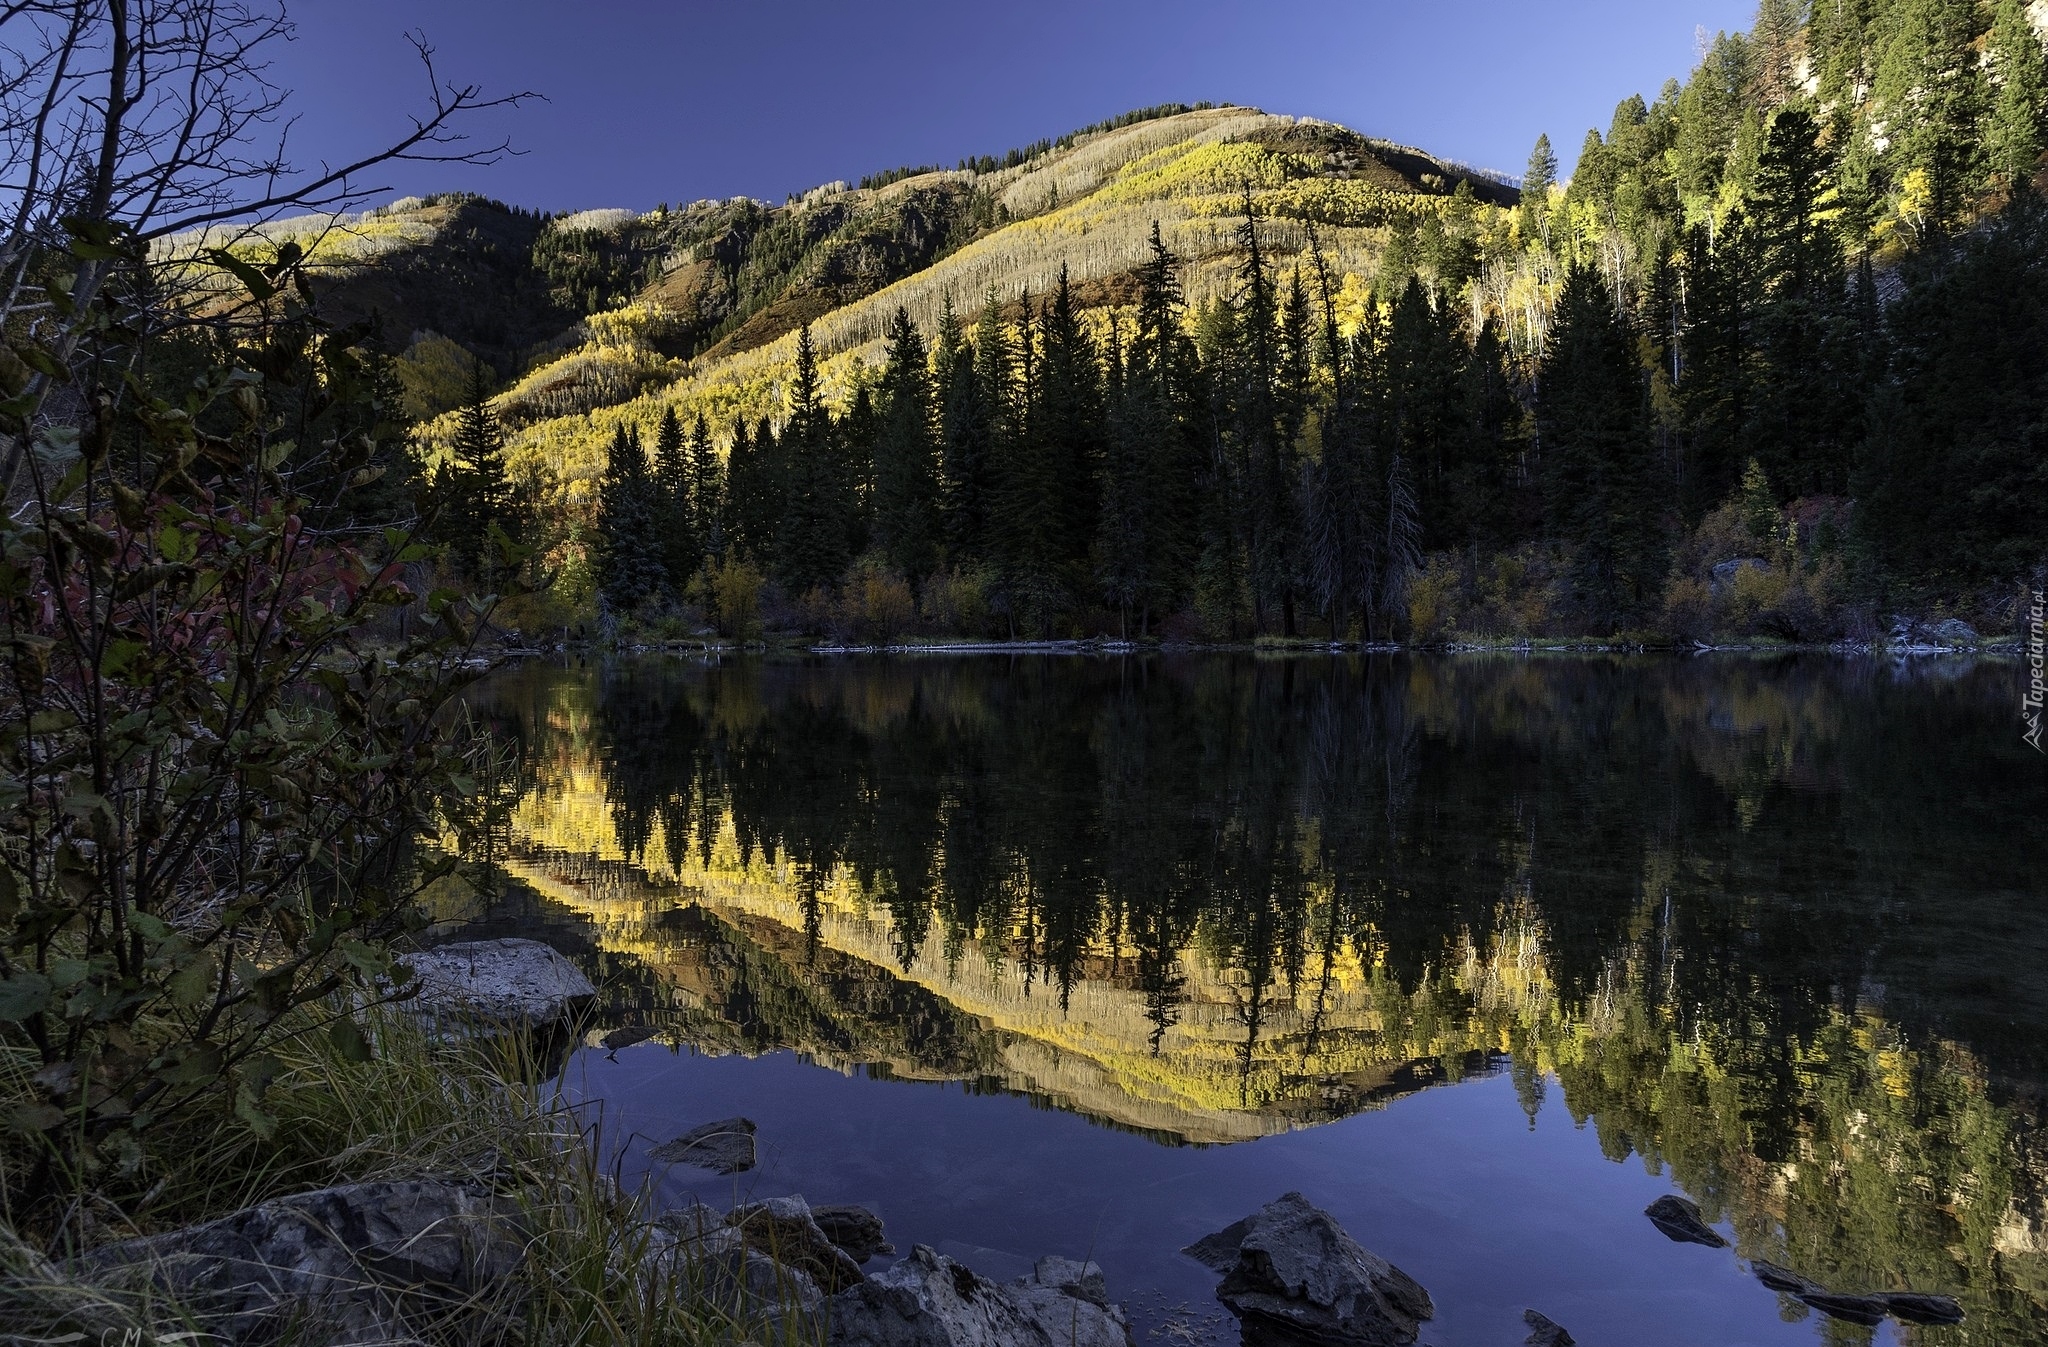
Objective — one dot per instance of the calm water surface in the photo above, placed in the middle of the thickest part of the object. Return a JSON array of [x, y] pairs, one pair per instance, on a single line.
[[1092, 957]]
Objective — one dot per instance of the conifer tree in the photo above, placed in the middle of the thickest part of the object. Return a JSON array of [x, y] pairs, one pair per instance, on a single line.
[[707, 504], [1599, 469], [906, 461], [963, 439], [1807, 411], [2013, 137], [674, 515], [813, 541], [1929, 87], [629, 552], [476, 492], [1537, 180]]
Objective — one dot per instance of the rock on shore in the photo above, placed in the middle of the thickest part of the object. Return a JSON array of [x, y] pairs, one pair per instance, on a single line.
[[516, 983], [353, 1264], [928, 1300]]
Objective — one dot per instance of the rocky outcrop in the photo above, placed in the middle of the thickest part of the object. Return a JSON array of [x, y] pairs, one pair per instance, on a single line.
[[1545, 1331], [516, 983], [1292, 1274], [1680, 1220], [928, 1300], [723, 1147], [356, 1264]]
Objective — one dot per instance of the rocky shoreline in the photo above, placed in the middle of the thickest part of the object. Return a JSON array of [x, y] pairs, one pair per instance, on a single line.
[[405, 1260]]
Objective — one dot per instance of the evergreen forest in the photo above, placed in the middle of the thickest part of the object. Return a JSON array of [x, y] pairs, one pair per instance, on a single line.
[[1768, 364]]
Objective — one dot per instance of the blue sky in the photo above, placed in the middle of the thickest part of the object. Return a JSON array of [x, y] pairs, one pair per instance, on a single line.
[[650, 102]]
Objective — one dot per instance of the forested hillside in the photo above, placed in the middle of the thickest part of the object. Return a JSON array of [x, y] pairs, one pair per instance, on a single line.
[[1771, 363]]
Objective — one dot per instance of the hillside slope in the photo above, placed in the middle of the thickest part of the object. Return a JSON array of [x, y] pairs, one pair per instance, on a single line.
[[727, 284]]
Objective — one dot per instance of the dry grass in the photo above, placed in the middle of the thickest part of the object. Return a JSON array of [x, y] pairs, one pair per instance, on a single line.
[[486, 1111]]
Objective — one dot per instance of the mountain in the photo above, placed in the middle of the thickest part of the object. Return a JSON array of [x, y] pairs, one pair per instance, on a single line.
[[609, 316]]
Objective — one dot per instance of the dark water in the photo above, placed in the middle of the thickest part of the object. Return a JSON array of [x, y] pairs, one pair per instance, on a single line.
[[1482, 954]]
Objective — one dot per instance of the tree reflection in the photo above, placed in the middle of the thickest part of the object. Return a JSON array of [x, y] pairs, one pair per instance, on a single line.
[[1772, 924]]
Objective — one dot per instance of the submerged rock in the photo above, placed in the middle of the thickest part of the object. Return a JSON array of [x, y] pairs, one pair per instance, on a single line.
[[854, 1229], [1545, 1332], [1680, 1220], [353, 1264], [1290, 1272], [625, 1036], [1854, 1309], [723, 1147], [928, 1300], [1783, 1279], [519, 983], [1917, 1308]]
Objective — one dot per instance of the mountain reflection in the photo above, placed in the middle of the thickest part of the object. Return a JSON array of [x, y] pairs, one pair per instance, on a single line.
[[1773, 924]]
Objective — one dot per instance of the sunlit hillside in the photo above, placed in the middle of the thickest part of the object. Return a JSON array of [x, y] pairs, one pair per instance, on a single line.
[[965, 236]]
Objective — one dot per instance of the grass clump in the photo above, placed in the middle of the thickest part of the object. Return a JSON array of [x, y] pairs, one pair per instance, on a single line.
[[597, 1266]]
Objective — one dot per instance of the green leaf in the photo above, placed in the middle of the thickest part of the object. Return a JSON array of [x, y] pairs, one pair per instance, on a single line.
[[255, 281], [348, 1040], [148, 925], [40, 359], [196, 1067], [23, 996], [192, 984]]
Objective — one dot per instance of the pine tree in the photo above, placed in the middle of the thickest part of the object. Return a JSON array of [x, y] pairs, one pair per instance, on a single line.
[[1807, 411], [629, 545], [963, 440], [1599, 467], [1537, 181], [476, 492], [906, 466], [1930, 88], [813, 541], [1146, 533], [1721, 360], [707, 503], [2014, 134], [674, 514]]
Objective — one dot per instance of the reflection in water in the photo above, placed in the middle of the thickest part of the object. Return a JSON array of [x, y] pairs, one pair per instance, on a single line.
[[1774, 925]]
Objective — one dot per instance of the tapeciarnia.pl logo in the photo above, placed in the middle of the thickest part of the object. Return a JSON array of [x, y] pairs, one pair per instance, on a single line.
[[2030, 703]]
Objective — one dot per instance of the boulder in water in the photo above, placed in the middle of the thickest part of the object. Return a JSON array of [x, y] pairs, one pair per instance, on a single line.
[[723, 1147], [1680, 1220], [1290, 1272], [1545, 1331]]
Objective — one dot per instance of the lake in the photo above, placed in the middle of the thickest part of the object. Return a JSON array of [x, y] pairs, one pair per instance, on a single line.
[[1093, 956]]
